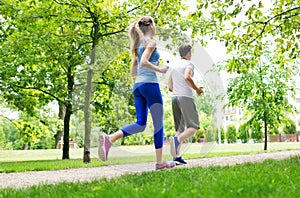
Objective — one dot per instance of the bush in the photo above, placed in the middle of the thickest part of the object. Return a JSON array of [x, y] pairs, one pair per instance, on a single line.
[[244, 133], [289, 127], [231, 134], [138, 139]]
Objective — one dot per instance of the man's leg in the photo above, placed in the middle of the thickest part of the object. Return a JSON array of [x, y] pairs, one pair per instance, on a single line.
[[189, 132]]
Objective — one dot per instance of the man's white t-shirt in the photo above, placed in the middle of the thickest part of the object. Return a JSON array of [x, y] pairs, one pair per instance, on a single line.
[[180, 86]]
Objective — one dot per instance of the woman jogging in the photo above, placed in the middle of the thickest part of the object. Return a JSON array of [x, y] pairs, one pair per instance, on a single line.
[[146, 91]]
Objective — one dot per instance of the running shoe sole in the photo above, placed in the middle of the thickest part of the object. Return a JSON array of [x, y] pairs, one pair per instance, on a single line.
[[178, 163], [172, 146], [165, 166], [101, 148]]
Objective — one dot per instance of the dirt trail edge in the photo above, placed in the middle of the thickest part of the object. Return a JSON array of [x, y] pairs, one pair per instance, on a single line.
[[33, 178]]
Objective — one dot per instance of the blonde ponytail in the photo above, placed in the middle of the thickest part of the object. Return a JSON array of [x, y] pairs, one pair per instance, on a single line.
[[135, 35], [137, 31]]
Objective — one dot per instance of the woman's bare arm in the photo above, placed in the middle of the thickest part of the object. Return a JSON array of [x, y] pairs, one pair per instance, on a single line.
[[133, 68], [149, 49]]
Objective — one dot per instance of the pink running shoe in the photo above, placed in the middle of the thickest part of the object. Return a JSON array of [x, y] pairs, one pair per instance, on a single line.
[[164, 165], [104, 146]]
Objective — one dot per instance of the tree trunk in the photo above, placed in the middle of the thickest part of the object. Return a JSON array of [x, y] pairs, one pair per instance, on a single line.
[[87, 135], [68, 114], [266, 132], [87, 139], [25, 146], [61, 115], [265, 110], [67, 132]]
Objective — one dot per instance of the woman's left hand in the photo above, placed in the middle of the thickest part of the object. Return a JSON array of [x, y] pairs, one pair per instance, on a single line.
[[163, 69]]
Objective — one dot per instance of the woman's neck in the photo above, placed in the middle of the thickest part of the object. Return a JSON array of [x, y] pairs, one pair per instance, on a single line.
[[148, 36]]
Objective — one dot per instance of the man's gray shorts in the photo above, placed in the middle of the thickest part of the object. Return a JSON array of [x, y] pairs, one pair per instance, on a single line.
[[185, 113]]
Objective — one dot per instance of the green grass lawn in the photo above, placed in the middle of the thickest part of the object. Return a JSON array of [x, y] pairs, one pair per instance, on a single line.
[[266, 179]]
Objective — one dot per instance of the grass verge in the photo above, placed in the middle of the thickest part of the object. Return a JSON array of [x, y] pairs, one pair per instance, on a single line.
[[270, 178]]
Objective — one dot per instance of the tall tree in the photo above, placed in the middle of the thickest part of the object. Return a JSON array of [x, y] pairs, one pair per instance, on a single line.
[[48, 42], [40, 57], [263, 91], [111, 18]]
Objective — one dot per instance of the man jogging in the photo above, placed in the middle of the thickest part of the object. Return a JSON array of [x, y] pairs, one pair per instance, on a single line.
[[184, 108]]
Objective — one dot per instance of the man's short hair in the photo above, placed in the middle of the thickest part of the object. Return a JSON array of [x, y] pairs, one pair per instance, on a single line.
[[184, 49]]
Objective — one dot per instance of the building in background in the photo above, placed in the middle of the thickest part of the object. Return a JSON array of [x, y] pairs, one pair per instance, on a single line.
[[232, 116]]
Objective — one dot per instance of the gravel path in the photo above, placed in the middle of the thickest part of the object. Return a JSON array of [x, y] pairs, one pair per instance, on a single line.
[[27, 179]]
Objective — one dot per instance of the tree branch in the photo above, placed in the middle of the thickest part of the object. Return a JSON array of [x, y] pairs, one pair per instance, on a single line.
[[65, 3], [265, 23], [111, 33], [283, 13], [133, 9], [43, 91], [11, 121], [79, 108], [158, 5]]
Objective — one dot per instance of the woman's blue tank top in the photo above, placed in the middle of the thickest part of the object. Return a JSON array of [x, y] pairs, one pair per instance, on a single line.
[[144, 74]]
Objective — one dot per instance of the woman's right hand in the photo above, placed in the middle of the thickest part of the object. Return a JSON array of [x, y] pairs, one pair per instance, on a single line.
[[163, 69]]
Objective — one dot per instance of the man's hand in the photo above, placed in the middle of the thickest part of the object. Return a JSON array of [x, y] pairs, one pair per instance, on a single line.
[[199, 91]]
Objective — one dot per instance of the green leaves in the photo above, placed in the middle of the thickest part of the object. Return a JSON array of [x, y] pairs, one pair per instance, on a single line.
[[246, 27], [45, 46]]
